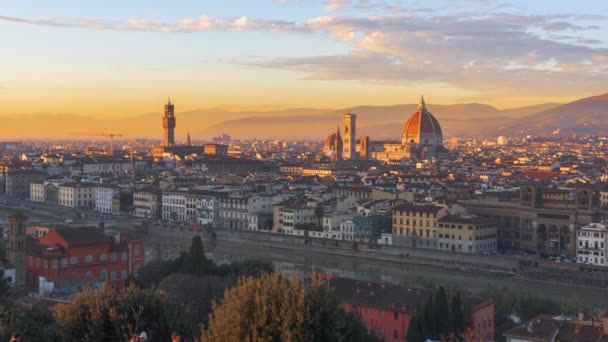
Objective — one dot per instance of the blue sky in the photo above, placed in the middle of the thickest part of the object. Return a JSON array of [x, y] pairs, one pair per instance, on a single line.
[[63, 56]]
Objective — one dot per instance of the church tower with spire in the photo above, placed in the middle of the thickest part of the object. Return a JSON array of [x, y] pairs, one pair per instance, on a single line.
[[169, 124]]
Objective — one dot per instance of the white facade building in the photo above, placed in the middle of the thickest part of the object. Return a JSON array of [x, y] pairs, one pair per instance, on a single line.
[[592, 244], [174, 206], [103, 198], [77, 195], [347, 228]]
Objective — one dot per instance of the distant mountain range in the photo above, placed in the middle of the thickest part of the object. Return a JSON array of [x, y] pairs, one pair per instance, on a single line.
[[585, 116]]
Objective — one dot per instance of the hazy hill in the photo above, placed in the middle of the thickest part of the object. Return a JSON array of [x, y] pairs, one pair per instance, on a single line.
[[584, 116], [588, 115]]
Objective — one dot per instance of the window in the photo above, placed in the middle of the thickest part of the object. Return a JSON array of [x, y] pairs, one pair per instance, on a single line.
[[102, 275], [64, 262], [381, 313], [123, 274], [88, 258], [46, 264], [113, 257], [113, 276], [103, 257], [73, 260], [396, 315], [37, 262], [31, 260], [54, 264], [136, 253], [396, 334]]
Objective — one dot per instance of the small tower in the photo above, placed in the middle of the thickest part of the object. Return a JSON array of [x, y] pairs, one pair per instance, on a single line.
[[16, 246], [338, 145], [169, 124], [188, 142]]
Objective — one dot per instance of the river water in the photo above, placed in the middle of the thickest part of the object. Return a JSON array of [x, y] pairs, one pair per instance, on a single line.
[[290, 261]]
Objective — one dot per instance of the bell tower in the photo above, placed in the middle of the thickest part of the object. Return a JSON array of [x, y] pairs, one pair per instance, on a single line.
[[16, 246], [169, 124], [349, 121]]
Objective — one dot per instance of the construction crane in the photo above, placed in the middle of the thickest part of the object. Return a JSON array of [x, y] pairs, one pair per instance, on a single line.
[[110, 137]]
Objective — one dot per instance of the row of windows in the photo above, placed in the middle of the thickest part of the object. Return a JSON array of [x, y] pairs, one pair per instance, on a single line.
[[589, 234], [416, 214], [588, 260], [169, 200], [413, 222], [595, 245], [414, 232], [88, 259]]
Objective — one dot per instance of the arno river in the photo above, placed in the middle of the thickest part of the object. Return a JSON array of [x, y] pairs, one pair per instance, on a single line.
[[415, 275]]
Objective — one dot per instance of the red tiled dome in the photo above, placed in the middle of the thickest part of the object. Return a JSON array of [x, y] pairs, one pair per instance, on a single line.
[[421, 122]]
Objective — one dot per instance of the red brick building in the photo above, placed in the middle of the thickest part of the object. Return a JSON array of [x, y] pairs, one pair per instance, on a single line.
[[386, 309], [85, 252]]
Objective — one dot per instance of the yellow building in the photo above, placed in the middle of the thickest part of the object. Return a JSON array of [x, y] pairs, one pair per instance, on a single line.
[[415, 225], [467, 234]]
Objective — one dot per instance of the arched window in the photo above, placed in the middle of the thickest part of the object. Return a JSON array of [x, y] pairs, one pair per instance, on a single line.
[[73, 260], [103, 257]]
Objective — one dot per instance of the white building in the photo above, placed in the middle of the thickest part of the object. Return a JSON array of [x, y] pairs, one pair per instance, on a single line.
[[103, 198], [259, 212], [147, 203], [37, 192], [592, 244], [174, 206], [107, 165], [77, 195], [332, 221], [347, 228], [296, 216], [233, 210]]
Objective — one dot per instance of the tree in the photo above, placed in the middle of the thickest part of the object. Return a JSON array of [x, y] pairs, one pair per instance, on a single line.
[[195, 261], [275, 308], [457, 313], [115, 315], [5, 286], [427, 323], [441, 311], [32, 323], [414, 333]]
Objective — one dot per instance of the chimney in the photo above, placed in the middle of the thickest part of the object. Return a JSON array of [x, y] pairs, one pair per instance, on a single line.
[[530, 327]]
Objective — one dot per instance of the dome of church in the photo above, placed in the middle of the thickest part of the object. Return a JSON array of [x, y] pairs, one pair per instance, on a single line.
[[422, 128], [331, 143]]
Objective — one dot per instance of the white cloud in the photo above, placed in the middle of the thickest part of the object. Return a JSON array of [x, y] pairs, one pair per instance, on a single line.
[[334, 5]]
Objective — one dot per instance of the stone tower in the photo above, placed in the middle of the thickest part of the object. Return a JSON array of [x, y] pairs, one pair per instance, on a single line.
[[16, 246], [169, 124], [350, 141]]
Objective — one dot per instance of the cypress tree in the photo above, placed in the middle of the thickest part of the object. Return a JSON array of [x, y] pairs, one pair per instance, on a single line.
[[413, 332], [428, 327], [442, 315], [457, 314]]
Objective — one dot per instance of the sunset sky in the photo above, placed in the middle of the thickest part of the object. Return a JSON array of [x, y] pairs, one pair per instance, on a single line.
[[123, 58]]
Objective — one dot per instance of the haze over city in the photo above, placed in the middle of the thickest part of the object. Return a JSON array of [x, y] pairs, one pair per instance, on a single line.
[[116, 60]]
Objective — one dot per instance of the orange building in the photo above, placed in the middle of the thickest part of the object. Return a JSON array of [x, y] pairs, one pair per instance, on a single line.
[[386, 309], [84, 252]]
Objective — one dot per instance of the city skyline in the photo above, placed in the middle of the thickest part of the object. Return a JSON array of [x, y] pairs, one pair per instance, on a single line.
[[110, 61]]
